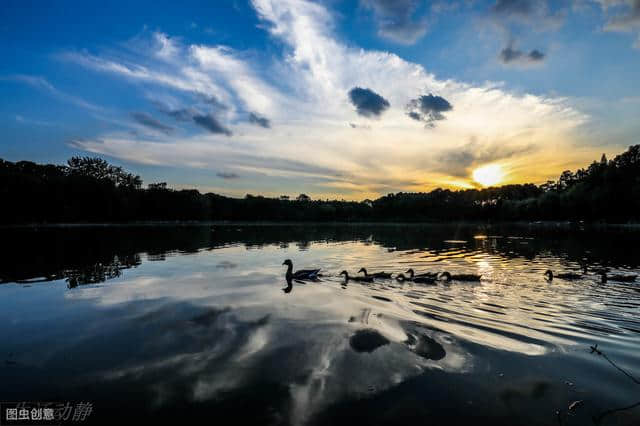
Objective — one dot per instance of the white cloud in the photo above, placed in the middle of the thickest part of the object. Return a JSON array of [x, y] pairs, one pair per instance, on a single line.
[[167, 47], [186, 79], [224, 63], [305, 95]]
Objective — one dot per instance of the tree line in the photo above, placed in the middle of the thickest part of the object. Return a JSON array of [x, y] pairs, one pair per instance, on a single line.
[[92, 190]]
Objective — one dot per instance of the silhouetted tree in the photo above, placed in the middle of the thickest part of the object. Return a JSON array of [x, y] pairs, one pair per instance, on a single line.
[[92, 190], [159, 186], [99, 169]]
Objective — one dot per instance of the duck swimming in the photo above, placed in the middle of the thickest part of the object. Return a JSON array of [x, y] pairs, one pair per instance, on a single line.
[[302, 274], [621, 278], [366, 279], [563, 275], [417, 279], [375, 274], [460, 277], [413, 275], [424, 280]]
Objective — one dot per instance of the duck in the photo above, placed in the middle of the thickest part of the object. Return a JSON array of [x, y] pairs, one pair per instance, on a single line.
[[460, 277], [563, 275], [413, 275], [416, 279], [424, 280], [289, 286], [366, 279], [302, 274], [401, 278], [621, 278], [375, 274]]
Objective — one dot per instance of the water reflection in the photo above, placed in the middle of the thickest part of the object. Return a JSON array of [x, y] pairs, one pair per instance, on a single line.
[[97, 273], [47, 254], [195, 321], [289, 286], [367, 340]]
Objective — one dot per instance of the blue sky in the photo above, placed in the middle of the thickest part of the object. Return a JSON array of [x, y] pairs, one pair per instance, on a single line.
[[258, 96]]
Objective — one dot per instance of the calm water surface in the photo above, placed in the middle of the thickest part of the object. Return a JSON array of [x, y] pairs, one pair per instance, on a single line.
[[195, 324]]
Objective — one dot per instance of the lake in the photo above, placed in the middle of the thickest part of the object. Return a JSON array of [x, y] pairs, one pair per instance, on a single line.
[[197, 324]]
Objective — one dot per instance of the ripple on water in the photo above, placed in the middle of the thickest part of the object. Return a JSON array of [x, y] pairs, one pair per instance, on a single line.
[[220, 315], [514, 308]]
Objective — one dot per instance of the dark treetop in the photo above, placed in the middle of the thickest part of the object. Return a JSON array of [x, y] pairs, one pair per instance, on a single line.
[[92, 190]]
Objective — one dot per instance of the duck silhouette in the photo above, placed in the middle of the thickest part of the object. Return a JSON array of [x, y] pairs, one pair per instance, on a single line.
[[289, 286], [460, 277], [417, 279], [401, 278], [563, 275], [302, 274], [413, 275], [375, 274], [366, 279], [615, 277]]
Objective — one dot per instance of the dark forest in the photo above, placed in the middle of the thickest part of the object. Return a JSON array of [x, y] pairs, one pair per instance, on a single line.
[[89, 190]]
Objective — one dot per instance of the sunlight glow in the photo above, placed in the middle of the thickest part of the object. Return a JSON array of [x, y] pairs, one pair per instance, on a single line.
[[488, 175]]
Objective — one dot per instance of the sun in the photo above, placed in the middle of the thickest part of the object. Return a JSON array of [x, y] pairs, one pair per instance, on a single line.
[[488, 175]]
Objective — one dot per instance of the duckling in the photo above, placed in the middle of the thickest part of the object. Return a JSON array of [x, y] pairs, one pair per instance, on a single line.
[[366, 279], [460, 277], [412, 274], [564, 275], [375, 274], [620, 278], [417, 279], [302, 274]]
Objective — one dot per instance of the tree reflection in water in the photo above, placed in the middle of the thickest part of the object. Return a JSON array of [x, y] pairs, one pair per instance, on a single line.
[[99, 272]]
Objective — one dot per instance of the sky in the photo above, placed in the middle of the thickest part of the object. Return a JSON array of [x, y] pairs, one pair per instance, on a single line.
[[335, 99]]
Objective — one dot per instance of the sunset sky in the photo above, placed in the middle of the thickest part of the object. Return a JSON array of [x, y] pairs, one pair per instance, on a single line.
[[336, 99]]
